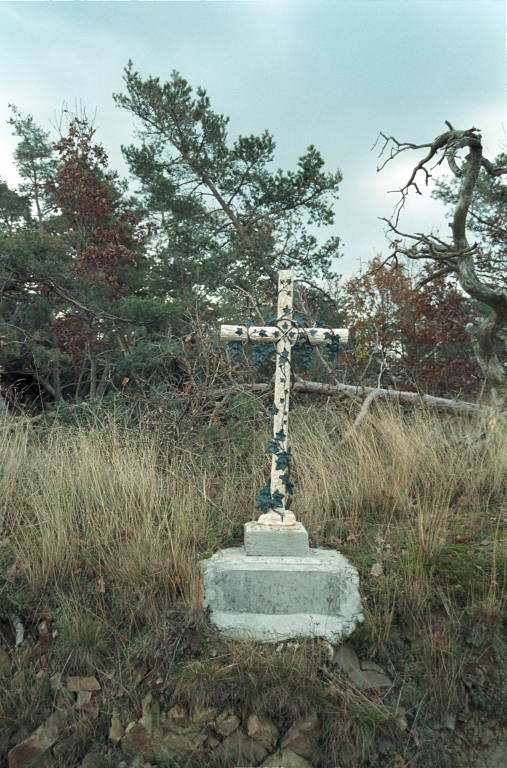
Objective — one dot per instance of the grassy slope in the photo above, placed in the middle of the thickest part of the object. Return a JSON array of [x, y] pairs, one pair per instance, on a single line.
[[111, 523]]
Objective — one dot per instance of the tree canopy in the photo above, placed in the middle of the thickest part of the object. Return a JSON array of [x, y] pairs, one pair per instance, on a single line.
[[100, 288]]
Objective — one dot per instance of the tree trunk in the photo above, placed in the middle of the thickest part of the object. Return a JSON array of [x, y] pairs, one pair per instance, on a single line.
[[93, 377], [57, 385], [104, 381], [4, 410]]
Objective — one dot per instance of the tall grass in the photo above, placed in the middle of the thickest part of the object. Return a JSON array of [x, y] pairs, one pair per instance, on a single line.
[[145, 509]]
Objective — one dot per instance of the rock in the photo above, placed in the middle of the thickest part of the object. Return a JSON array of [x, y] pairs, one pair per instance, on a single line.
[[226, 725], [76, 684], [286, 758], [138, 736], [91, 708], [36, 744], [364, 676], [64, 699], [136, 739], [177, 746], [179, 716], [91, 759], [146, 708], [494, 757], [487, 736], [5, 664], [66, 748], [240, 749], [116, 729], [302, 736], [170, 736], [211, 742], [262, 730], [329, 650], [56, 681], [372, 666], [203, 717]]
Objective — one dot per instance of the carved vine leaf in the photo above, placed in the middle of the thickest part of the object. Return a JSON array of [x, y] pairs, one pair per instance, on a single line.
[[305, 351], [283, 458], [260, 352], [272, 447], [236, 349]]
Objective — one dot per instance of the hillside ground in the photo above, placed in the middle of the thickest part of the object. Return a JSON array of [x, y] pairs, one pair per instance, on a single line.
[[103, 524]]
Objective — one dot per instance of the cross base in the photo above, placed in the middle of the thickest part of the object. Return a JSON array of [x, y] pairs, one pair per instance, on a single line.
[[278, 598], [276, 520], [279, 541]]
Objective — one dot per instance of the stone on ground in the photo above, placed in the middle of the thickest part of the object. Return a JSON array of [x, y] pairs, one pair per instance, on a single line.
[[36, 744], [364, 674], [286, 758]]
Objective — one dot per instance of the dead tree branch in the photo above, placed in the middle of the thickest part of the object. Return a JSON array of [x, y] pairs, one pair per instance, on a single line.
[[457, 256], [411, 398]]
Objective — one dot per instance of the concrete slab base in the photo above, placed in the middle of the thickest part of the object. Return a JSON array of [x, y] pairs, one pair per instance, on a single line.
[[280, 598], [272, 541]]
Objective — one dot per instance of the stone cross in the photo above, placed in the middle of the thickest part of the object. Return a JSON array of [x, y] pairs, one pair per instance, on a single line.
[[283, 334]]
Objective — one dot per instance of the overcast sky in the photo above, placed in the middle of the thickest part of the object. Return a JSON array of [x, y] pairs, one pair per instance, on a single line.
[[332, 73]]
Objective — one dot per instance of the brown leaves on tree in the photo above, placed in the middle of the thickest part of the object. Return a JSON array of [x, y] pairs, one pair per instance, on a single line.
[[81, 190], [411, 338], [73, 334]]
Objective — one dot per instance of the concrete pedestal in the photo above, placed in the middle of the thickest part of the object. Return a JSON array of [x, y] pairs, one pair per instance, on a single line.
[[271, 541], [272, 597]]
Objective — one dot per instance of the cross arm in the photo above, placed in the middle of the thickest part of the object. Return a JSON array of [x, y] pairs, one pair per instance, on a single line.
[[270, 333]]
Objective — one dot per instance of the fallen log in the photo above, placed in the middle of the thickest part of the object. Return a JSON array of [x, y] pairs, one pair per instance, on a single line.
[[413, 398]]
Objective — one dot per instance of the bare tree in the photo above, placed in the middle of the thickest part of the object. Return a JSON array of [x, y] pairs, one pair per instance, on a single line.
[[457, 257]]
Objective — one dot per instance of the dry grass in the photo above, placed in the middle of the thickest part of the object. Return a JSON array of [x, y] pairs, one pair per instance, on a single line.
[[112, 523]]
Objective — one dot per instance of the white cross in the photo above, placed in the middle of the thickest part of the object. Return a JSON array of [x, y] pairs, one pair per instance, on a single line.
[[284, 333]]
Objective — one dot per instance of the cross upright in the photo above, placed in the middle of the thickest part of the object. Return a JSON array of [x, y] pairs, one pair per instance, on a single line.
[[283, 334]]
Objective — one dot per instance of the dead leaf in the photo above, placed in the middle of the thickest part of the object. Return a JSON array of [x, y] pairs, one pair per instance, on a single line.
[[116, 729], [416, 737], [5, 664], [100, 586], [463, 539], [125, 381], [377, 570], [76, 684], [399, 762], [91, 708], [44, 636], [437, 638], [140, 673], [16, 570]]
